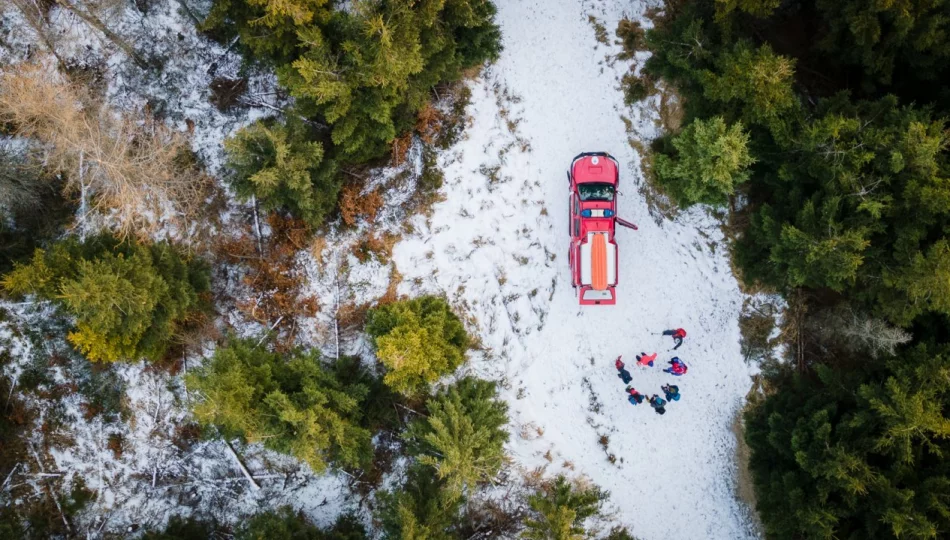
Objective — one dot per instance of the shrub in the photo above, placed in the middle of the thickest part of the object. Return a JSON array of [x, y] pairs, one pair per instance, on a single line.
[[632, 38], [418, 341], [463, 436], [291, 404], [277, 297], [129, 299]]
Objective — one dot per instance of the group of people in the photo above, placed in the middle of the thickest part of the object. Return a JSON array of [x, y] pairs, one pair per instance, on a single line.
[[677, 368]]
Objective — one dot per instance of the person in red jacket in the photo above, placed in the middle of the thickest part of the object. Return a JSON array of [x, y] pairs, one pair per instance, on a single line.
[[677, 367], [644, 359], [678, 336]]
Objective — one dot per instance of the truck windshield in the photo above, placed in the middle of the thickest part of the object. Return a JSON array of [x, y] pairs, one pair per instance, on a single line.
[[596, 192]]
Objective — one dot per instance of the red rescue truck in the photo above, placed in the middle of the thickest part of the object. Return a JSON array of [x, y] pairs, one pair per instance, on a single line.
[[594, 177]]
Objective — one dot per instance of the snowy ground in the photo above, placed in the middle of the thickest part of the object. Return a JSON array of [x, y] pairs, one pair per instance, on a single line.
[[497, 246]]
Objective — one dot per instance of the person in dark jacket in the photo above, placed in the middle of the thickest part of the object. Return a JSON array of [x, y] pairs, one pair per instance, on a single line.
[[623, 373], [678, 335], [644, 359], [672, 392], [635, 398], [677, 367], [658, 404]]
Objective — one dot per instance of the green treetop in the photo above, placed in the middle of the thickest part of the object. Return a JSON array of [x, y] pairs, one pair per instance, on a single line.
[[463, 436], [711, 159], [418, 341], [128, 299], [293, 405]]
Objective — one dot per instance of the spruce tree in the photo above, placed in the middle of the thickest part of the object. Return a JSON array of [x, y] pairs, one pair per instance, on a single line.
[[856, 453], [711, 158], [277, 163], [419, 510], [292, 405], [129, 300], [418, 341], [463, 436], [559, 508]]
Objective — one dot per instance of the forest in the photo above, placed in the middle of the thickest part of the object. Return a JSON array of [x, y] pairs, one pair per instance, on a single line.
[[822, 127]]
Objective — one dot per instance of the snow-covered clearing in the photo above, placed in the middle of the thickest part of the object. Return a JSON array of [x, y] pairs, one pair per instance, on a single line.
[[497, 246]]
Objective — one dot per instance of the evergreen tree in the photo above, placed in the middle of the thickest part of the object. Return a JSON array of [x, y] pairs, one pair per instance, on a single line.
[[360, 76], [129, 299], [286, 524], [419, 510], [463, 436], [756, 83], [829, 461], [276, 162], [884, 38], [293, 405], [558, 510], [418, 340], [711, 159]]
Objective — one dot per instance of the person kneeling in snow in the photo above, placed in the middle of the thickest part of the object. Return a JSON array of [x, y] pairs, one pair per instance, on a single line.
[[678, 336], [624, 374], [658, 404], [644, 359], [635, 398], [677, 367], [672, 392]]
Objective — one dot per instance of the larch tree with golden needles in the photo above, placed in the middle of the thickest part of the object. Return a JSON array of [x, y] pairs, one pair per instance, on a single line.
[[129, 169]]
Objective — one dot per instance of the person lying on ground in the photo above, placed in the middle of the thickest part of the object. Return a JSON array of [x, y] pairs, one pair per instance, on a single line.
[[658, 404], [644, 359], [678, 335], [672, 392], [624, 374], [635, 398], [677, 367]]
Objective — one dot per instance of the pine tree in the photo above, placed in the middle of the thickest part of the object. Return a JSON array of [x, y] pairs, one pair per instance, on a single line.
[[463, 437], [711, 159], [293, 405], [418, 341], [558, 510], [129, 300]]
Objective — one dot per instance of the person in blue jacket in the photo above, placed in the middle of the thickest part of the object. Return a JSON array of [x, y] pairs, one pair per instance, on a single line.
[[635, 398], [658, 404], [623, 373], [672, 392]]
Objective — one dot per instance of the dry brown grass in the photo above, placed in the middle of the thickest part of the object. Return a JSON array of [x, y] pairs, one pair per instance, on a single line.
[[275, 281], [129, 167], [379, 247], [354, 205], [391, 294]]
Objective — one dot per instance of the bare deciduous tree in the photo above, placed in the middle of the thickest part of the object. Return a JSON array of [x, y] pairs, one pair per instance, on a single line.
[[858, 332], [126, 167]]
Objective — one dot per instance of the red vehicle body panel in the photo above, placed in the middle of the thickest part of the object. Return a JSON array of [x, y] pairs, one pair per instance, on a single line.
[[601, 169]]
